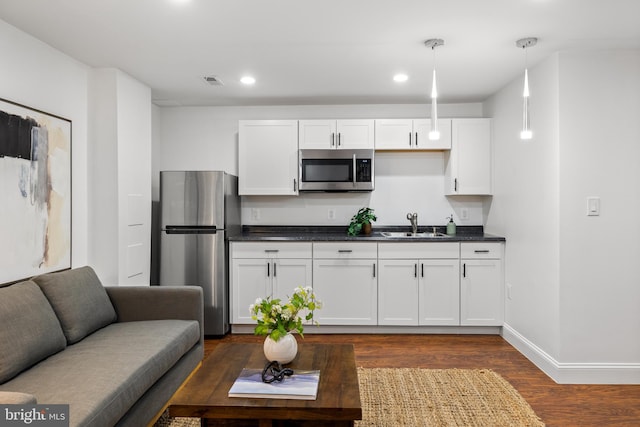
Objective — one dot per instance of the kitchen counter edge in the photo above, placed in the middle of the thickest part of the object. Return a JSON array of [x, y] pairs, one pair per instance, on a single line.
[[339, 234]]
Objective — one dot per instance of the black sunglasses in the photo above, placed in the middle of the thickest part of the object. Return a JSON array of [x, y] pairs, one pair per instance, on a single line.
[[275, 372]]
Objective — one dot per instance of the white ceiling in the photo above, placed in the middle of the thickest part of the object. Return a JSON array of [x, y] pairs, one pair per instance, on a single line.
[[321, 51]]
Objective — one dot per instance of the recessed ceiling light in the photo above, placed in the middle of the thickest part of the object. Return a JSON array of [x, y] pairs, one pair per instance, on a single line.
[[247, 80], [400, 78]]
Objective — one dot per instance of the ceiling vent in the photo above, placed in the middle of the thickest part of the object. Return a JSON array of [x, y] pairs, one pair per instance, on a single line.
[[213, 80]]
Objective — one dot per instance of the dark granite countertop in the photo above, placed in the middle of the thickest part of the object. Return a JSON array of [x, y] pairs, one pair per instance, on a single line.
[[333, 234]]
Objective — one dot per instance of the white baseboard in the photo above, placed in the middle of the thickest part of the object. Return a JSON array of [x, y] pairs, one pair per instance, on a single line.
[[572, 373], [373, 329]]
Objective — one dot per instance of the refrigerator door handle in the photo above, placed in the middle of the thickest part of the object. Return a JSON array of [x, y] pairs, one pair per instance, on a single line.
[[190, 229]]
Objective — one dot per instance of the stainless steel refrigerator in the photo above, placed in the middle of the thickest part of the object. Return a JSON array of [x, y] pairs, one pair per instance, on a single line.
[[198, 211]]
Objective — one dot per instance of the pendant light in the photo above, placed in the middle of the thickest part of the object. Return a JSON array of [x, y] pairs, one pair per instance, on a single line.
[[525, 43], [434, 134]]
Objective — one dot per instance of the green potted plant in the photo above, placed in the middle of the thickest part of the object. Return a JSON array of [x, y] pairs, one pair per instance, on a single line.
[[277, 320], [361, 222]]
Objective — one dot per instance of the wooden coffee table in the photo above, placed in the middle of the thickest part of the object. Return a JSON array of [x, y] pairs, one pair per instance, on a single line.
[[205, 394]]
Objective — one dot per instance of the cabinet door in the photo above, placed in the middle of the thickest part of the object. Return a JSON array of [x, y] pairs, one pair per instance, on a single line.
[[353, 134], [268, 157], [439, 292], [482, 297], [317, 134], [249, 280], [398, 292], [407, 134], [348, 291], [421, 129], [394, 134], [288, 274], [468, 164]]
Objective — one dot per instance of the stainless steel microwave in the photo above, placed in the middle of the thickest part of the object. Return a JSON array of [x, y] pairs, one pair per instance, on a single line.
[[336, 170]]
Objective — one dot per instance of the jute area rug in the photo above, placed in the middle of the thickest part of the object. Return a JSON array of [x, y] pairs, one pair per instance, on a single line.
[[430, 397]]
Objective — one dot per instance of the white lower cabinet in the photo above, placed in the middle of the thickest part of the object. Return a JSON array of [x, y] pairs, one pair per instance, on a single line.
[[375, 283], [418, 284], [345, 280], [260, 269], [482, 284]]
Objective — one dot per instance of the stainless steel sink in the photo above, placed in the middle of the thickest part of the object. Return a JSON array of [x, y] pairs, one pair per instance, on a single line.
[[410, 235]]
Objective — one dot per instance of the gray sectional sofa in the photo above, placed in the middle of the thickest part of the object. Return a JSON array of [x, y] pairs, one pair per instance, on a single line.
[[114, 354]]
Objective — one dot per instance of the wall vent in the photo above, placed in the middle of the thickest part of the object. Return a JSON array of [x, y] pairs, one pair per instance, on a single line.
[[213, 80]]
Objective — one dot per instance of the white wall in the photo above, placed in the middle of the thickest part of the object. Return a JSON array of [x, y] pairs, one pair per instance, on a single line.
[[104, 215], [206, 138], [526, 203], [600, 156], [134, 180], [102, 182], [120, 181], [35, 75], [575, 294]]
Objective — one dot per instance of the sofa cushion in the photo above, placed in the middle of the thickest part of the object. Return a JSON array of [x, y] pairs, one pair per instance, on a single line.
[[30, 330], [16, 398], [104, 375], [79, 300]]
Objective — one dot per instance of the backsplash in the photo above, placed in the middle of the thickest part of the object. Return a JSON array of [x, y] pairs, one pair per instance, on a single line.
[[405, 182]]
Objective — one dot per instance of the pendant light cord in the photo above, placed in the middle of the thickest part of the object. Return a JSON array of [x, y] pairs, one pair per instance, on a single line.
[[434, 134], [526, 125]]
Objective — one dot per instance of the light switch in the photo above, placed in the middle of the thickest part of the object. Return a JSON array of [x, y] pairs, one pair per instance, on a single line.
[[593, 206]]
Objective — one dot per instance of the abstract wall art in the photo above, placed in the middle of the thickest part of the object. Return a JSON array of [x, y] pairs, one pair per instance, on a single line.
[[35, 192]]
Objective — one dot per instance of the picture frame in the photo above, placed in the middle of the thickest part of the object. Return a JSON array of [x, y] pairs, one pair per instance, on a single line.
[[35, 192]]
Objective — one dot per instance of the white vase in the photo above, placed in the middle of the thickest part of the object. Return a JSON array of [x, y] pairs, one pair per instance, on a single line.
[[284, 350]]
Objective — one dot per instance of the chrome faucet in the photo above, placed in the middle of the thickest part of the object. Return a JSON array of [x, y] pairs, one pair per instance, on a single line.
[[413, 217]]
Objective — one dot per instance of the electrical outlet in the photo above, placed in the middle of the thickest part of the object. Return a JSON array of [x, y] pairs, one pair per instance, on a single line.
[[255, 214], [509, 291], [331, 214], [464, 213]]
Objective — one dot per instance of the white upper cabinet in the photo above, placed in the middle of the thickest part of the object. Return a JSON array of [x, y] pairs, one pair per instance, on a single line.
[[468, 164], [268, 157], [408, 134], [336, 134]]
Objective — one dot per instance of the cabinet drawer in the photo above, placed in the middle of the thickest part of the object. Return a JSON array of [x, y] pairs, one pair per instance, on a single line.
[[271, 250], [345, 250], [415, 250], [480, 250]]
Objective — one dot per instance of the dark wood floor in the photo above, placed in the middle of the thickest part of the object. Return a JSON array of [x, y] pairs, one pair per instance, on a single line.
[[557, 405]]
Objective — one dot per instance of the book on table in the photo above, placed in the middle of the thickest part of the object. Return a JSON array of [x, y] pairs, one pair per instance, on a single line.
[[302, 385]]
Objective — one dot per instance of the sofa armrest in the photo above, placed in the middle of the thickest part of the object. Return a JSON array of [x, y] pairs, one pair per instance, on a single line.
[[16, 398], [133, 303]]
